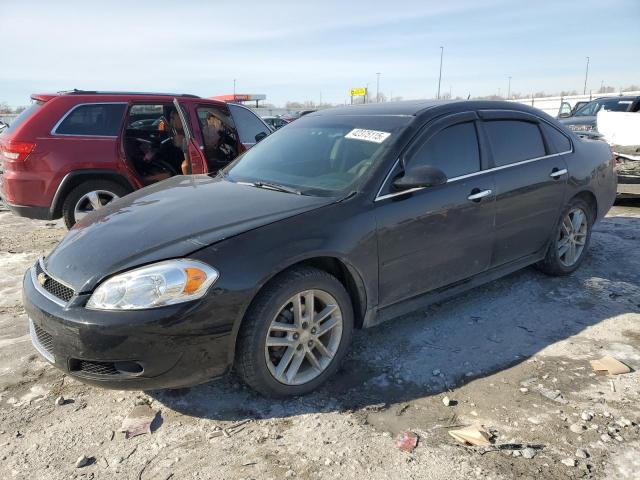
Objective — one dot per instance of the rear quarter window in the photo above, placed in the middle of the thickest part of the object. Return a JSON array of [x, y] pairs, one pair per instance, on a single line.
[[102, 120], [514, 141], [557, 140]]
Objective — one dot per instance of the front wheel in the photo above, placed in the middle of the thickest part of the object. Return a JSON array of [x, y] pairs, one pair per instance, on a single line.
[[570, 240], [295, 334]]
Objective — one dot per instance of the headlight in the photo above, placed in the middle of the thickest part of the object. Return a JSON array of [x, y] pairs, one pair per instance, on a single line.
[[156, 285]]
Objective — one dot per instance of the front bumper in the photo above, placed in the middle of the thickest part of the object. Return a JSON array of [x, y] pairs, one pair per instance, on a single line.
[[168, 347]]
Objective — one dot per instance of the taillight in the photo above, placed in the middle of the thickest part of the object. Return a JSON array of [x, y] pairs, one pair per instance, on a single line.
[[17, 151]]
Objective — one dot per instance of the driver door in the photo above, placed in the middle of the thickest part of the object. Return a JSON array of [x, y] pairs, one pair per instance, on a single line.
[[196, 161], [432, 237]]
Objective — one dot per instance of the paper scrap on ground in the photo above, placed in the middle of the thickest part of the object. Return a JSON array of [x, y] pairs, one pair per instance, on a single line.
[[138, 422], [374, 136], [609, 365], [473, 435], [407, 441]]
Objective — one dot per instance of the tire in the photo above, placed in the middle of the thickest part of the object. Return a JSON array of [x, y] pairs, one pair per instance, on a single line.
[[554, 262], [105, 188], [253, 359]]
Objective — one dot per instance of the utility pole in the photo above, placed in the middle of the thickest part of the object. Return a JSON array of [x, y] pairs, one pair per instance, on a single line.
[[378, 87], [440, 76], [509, 90], [234, 89], [586, 74]]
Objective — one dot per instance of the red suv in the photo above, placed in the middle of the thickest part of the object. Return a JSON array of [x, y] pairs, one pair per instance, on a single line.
[[73, 152]]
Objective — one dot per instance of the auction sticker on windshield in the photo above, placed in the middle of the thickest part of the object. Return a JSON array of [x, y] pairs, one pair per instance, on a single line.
[[367, 135]]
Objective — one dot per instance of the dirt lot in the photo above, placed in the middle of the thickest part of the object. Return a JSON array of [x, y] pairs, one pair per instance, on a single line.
[[512, 355]]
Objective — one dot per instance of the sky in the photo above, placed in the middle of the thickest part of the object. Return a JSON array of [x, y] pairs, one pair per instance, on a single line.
[[316, 50]]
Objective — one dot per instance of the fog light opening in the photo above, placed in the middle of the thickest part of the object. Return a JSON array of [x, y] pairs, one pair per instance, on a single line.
[[128, 368]]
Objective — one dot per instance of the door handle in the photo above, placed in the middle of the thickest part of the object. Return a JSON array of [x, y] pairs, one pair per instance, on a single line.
[[477, 194], [555, 173]]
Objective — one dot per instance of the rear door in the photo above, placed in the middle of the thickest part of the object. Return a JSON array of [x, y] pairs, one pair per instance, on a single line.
[[250, 127], [196, 162], [528, 158], [433, 237]]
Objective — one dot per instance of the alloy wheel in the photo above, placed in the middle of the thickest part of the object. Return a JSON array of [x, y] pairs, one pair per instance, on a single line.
[[303, 337], [91, 201], [572, 237]]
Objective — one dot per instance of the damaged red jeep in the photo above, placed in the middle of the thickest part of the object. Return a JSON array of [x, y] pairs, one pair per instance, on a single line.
[[73, 152]]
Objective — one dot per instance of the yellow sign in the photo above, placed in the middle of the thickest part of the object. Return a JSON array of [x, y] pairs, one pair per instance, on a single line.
[[358, 92]]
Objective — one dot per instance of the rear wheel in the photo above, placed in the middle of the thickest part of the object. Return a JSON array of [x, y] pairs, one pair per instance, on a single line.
[[571, 239], [295, 334], [89, 196]]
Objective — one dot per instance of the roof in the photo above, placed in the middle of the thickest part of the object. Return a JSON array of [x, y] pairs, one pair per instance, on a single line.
[[416, 107], [111, 93]]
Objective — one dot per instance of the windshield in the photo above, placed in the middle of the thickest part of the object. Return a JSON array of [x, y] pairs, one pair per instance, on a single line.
[[613, 105], [26, 113], [319, 155]]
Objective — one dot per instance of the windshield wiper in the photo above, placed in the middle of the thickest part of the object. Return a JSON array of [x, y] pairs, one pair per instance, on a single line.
[[276, 186]]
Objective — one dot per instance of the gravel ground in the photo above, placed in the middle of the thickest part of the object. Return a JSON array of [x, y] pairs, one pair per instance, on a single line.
[[512, 355]]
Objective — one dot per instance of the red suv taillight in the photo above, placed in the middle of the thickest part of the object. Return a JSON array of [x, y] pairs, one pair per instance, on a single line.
[[16, 151]]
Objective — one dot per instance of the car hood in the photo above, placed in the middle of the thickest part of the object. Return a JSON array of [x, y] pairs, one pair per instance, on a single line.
[[169, 219]]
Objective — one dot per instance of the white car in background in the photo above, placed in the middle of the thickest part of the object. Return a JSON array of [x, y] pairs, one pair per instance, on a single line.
[[621, 130]]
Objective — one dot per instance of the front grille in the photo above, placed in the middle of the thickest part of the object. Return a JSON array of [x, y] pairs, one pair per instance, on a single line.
[[53, 286], [93, 368], [42, 341], [44, 338]]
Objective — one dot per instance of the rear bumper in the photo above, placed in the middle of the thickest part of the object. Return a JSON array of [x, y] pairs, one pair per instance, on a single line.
[[627, 187], [135, 350], [39, 213]]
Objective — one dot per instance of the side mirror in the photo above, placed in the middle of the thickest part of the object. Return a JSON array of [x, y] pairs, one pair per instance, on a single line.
[[260, 136], [420, 176], [564, 115]]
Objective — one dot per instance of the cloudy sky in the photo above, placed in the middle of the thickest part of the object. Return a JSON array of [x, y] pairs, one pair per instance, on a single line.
[[301, 50]]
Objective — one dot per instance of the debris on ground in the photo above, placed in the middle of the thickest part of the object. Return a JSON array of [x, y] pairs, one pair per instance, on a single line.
[[407, 441], [82, 461], [578, 427], [59, 401], [473, 435], [582, 453], [528, 453], [609, 365], [139, 421], [446, 401], [569, 462]]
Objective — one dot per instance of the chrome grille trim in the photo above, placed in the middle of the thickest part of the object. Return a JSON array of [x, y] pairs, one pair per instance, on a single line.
[[65, 290]]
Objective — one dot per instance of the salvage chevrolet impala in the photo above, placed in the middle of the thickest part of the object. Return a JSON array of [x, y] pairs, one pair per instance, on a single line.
[[346, 218]]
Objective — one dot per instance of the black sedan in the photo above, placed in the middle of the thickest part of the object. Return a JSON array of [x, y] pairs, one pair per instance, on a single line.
[[346, 218]]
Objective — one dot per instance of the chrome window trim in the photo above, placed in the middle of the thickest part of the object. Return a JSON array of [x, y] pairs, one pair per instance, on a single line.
[[461, 177], [41, 289], [70, 111]]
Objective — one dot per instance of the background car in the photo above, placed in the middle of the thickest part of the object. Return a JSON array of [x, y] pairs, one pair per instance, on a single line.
[[275, 122], [583, 120], [3, 126], [269, 266], [70, 153]]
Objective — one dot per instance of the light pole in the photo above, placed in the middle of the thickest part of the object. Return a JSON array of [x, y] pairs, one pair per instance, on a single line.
[[509, 89], [586, 74], [440, 76], [234, 89], [378, 87]]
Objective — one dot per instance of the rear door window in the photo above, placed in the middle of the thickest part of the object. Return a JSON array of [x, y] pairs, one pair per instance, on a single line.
[[100, 119], [514, 141], [454, 150], [219, 135], [248, 124]]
